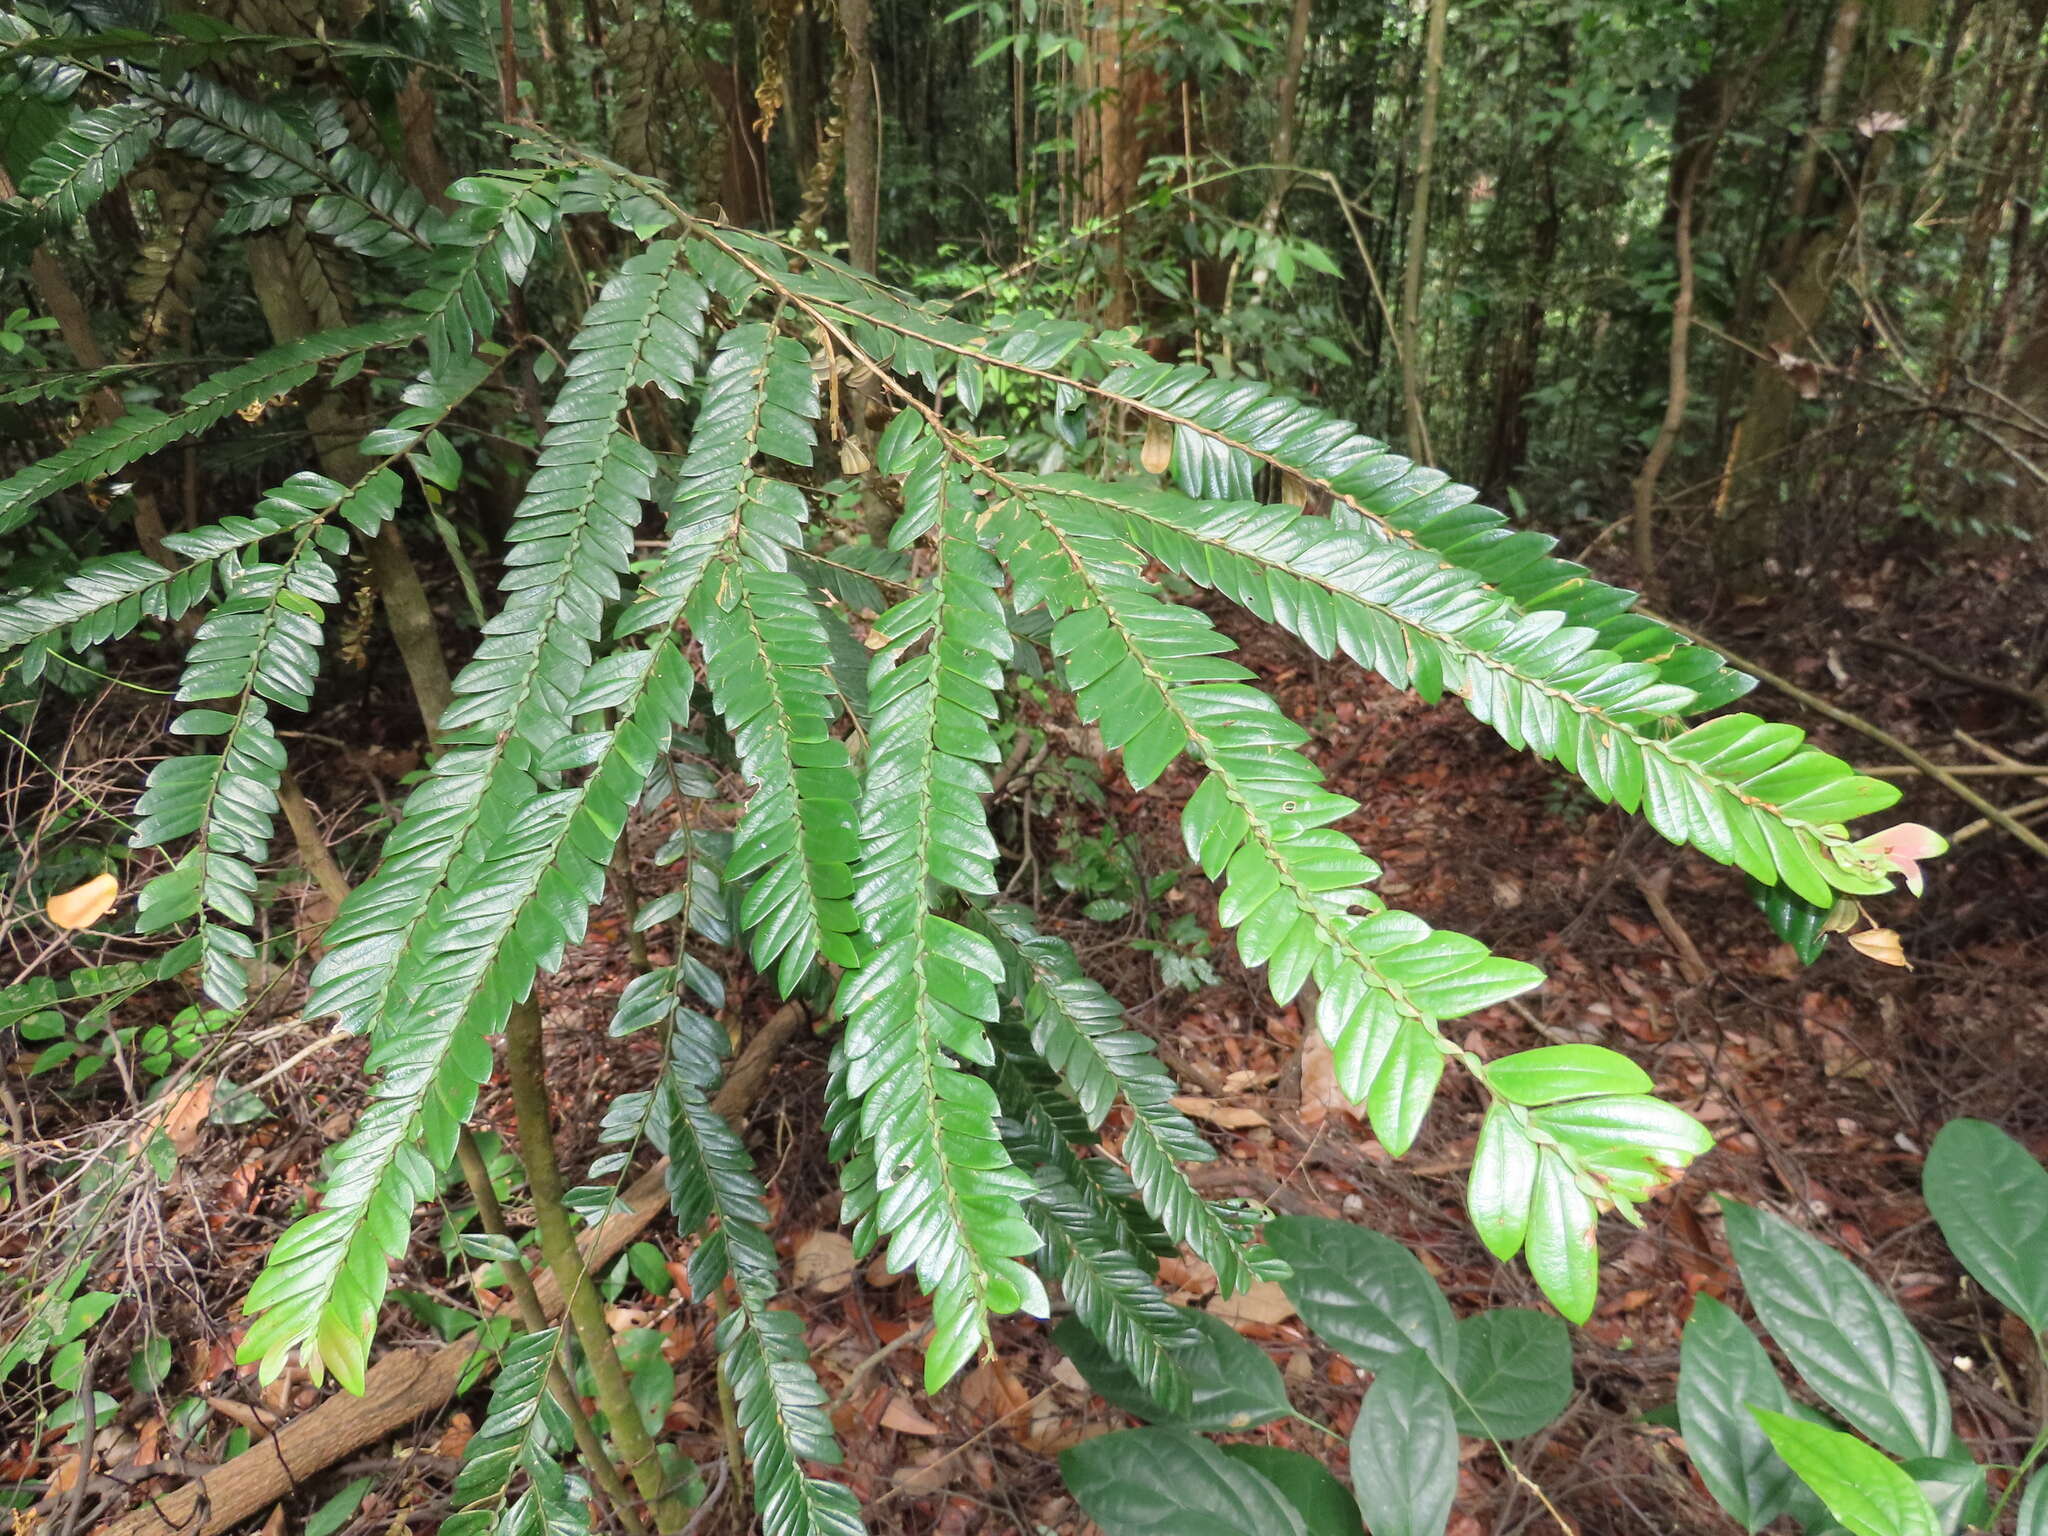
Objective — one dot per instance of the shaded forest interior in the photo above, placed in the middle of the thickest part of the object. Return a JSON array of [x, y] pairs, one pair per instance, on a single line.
[[667, 570]]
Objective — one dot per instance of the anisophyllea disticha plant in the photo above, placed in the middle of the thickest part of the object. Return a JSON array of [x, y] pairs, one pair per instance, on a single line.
[[1000, 1127]]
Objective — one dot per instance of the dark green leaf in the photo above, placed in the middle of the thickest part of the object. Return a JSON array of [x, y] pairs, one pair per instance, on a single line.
[[1723, 1372], [1324, 1504], [1167, 1482], [1364, 1292], [1514, 1372], [1842, 1334], [1404, 1450], [1236, 1386], [1990, 1199]]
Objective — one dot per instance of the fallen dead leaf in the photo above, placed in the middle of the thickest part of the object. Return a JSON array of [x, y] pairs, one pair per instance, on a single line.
[[1320, 1095], [928, 1474], [180, 1117], [1232, 1117], [1881, 945], [1187, 1278], [455, 1438], [1265, 1303], [992, 1392], [880, 1275], [906, 1420], [84, 905], [824, 1261]]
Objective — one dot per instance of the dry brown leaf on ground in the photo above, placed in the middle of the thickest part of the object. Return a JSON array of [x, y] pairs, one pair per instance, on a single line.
[[1320, 1095], [904, 1419], [179, 1118], [992, 1392], [1265, 1304], [1231, 1117], [824, 1261]]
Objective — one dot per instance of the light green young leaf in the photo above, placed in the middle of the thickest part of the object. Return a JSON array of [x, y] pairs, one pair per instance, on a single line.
[[1554, 1072], [1862, 1488]]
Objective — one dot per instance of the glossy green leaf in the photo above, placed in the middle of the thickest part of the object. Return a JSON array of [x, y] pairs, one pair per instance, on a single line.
[[1847, 1340], [2033, 1512], [1502, 1183], [1862, 1488], [1324, 1504], [1955, 1489], [1363, 1292], [1167, 1482], [1553, 1072], [1514, 1373], [1562, 1248], [1404, 1450], [1236, 1385], [1723, 1373], [1990, 1198]]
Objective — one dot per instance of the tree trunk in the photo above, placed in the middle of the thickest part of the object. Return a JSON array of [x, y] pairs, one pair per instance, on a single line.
[[863, 169], [1418, 238], [1754, 489]]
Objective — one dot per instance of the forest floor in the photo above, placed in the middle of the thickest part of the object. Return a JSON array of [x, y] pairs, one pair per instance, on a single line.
[[1823, 1086]]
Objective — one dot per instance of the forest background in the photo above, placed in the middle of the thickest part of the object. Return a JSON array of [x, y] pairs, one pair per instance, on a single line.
[[1745, 304]]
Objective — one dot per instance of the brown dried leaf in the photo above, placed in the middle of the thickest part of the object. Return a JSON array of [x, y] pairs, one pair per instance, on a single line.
[[1881, 945], [1232, 1117], [824, 1261], [1320, 1095], [84, 905], [1265, 1304], [906, 1420]]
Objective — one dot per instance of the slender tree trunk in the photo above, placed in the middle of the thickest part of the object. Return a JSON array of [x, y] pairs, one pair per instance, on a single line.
[[1642, 527], [1020, 146], [1751, 498], [1286, 110], [526, 1069], [75, 326], [1418, 238], [863, 172]]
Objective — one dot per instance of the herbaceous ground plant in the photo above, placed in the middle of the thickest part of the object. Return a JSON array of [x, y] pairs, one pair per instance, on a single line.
[[1001, 1131]]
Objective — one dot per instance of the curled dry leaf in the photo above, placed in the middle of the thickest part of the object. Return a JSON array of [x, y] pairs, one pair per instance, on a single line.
[[1881, 945], [1265, 1304], [84, 905], [906, 1420], [1157, 454], [1231, 1117], [824, 1261]]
